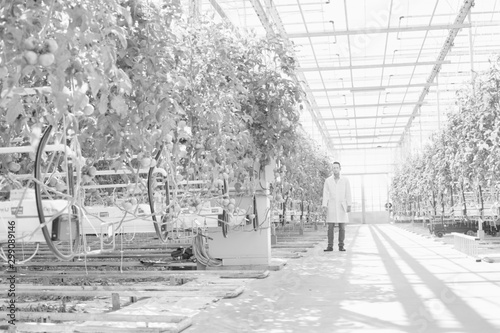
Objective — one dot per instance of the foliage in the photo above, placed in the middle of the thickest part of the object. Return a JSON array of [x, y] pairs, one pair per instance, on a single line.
[[465, 153], [130, 77], [302, 172]]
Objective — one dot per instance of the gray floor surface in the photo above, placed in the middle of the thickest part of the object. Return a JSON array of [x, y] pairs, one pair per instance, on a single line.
[[389, 280]]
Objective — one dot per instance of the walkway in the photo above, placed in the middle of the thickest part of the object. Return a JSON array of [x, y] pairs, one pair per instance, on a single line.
[[389, 280]]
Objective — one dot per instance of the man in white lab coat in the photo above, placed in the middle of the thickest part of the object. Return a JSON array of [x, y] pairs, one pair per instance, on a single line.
[[337, 202]]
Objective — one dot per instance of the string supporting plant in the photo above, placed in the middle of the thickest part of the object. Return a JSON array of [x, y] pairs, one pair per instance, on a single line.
[[126, 79], [462, 157]]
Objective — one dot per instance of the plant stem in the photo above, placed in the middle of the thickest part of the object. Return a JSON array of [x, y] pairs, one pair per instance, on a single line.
[[51, 10]]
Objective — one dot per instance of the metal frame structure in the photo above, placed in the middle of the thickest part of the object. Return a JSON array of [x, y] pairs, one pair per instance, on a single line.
[[376, 72]]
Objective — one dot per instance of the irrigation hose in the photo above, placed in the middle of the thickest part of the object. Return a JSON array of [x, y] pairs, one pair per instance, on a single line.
[[202, 255]]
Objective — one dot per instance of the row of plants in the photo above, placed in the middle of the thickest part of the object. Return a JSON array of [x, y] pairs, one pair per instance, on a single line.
[[301, 175], [463, 157], [128, 78]]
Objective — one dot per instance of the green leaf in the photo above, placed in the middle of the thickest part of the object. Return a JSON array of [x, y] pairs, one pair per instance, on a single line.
[[124, 82], [14, 109], [118, 32], [119, 104], [107, 58], [95, 83], [178, 108], [79, 100], [126, 14], [77, 16], [16, 33], [103, 104]]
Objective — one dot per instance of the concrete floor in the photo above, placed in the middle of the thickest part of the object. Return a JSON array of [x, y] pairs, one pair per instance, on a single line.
[[389, 280]]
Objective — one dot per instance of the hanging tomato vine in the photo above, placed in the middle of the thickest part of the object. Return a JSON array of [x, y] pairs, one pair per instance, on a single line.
[[464, 154], [133, 77]]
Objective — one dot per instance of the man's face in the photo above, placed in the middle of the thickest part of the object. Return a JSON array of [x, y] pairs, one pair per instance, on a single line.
[[336, 169]]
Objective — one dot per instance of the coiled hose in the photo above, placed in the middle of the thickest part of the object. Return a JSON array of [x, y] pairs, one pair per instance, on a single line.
[[201, 254]]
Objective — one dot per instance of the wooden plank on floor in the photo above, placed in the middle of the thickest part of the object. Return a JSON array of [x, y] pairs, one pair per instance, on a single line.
[[289, 250], [124, 264], [110, 329], [235, 292], [123, 293], [243, 274], [73, 328], [127, 255], [292, 245], [230, 274], [104, 252], [288, 255], [161, 318], [293, 240], [135, 287]]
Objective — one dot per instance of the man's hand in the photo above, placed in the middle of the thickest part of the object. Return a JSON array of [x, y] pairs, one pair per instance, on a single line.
[[348, 209]]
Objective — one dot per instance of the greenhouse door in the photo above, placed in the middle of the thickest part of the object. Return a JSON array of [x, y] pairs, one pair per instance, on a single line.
[[369, 196]]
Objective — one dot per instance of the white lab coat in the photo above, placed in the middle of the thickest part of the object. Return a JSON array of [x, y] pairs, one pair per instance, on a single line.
[[337, 196]]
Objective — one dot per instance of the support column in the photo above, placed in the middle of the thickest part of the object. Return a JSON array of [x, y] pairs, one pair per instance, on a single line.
[[480, 231]]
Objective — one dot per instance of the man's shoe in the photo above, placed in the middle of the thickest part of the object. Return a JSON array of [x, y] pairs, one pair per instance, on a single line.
[[341, 249], [328, 249]]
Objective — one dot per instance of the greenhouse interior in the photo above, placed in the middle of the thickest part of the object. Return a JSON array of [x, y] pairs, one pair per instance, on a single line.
[[380, 77], [250, 166]]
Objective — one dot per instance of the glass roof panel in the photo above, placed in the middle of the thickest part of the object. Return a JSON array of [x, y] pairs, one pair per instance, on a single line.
[[365, 59]]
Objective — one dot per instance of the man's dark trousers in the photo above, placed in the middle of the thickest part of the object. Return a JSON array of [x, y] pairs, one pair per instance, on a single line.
[[341, 234]]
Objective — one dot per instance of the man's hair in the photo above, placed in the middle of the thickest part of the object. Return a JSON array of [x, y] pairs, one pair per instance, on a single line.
[[337, 163]]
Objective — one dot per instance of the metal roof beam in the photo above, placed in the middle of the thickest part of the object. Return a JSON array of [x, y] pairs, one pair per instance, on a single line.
[[447, 14], [416, 76], [218, 9], [414, 85], [376, 143], [367, 117], [371, 148], [403, 64], [410, 52], [448, 44], [389, 127], [456, 26], [304, 4], [371, 128], [361, 137], [264, 19], [366, 105]]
